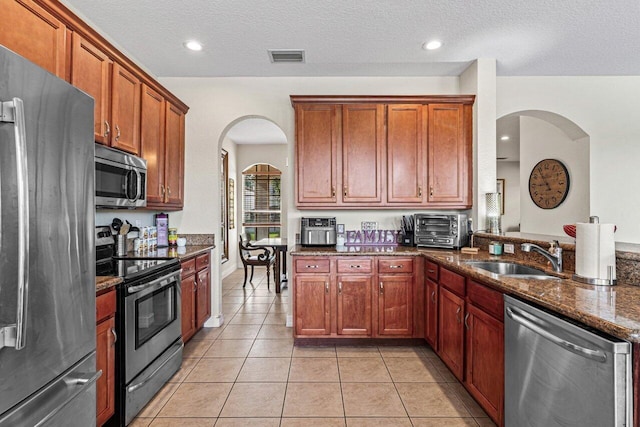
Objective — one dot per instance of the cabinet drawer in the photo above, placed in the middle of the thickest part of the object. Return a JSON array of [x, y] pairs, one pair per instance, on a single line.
[[313, 265], [188, 267], [400, 265], [486, 298], [452, 281], [431, 270], [355, 265], [202, 261], [105, 305]]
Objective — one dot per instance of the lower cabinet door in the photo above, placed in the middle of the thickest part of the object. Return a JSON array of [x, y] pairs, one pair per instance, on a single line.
[[395, 308], [105, 361], [312, 304], [354, 305], [485, 361], [451, 337], [203, 298], [188, 317], [431, 313]]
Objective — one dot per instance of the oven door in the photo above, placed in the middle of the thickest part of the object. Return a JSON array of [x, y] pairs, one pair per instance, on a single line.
[[151, 321]]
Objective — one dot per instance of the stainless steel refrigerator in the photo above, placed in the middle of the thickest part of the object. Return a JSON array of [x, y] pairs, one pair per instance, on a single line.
[[47, 254]]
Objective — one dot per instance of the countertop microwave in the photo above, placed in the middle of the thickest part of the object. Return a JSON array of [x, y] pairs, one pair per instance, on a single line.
[[121, 179]]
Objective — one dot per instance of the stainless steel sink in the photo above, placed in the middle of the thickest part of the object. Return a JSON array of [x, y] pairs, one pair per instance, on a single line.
[[510, 269]]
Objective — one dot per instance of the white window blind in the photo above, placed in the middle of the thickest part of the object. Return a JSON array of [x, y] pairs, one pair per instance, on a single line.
[[261, 196]]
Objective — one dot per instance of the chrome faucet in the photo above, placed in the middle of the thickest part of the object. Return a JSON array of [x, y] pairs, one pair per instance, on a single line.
[[554, 254]]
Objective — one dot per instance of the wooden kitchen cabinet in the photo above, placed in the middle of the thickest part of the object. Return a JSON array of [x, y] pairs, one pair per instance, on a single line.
[[405, 154], [196, 294], [395, 307], [312, 304], [449, 155], [91, 72], [318, 130], [125, 110], [363, 142], [451, 331], [174, 157], [383, 151], [484, 373], [354, 297], [105, 355], [203, 290], [152, 143], [33, 32]]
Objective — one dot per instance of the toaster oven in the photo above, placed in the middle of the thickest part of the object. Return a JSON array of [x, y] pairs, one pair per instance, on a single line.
[[441, 231]]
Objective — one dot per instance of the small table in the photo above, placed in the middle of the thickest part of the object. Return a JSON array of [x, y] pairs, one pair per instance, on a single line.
[[279, 245]]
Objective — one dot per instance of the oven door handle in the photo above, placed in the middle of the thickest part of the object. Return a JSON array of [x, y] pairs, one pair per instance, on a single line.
[[155, 284], [136, 386]]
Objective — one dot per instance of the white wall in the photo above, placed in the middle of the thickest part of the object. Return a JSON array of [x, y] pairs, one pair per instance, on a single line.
[[541, 140], [510, 172], [232, 159], [606, 108]]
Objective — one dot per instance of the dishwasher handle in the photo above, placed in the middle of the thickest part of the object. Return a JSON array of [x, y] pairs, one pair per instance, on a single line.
[[597, 355]]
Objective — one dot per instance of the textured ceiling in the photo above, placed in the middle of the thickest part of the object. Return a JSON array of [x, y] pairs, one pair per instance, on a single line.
[[373, 37]]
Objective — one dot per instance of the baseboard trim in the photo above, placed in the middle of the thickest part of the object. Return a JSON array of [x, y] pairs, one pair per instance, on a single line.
[[289, 323]]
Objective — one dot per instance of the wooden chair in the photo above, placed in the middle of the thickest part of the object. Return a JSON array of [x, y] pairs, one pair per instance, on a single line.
[[255, 256]]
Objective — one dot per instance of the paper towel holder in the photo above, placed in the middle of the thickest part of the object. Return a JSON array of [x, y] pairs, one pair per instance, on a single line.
[[609, 281]]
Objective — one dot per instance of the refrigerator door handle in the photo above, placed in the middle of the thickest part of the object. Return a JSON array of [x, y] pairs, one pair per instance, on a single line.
[[15, 335]]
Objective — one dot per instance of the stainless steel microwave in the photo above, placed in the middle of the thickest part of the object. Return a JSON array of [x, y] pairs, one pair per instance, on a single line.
[[121, 179]]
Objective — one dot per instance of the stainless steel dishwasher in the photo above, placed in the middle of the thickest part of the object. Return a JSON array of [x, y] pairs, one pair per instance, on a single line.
[[558, 373]]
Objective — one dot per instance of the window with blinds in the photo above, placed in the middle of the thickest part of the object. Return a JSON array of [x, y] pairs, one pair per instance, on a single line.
[[261, 201]]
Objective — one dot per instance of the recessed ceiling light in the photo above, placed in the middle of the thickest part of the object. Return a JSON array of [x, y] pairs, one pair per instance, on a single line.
[[504, 138], [193, 45], [432, 45]]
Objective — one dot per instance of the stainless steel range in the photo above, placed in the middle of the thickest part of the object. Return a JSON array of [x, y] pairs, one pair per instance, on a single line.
[[149, 348]]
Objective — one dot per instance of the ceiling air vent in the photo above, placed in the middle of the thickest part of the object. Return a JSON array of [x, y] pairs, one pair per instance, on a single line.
[[286, 55]]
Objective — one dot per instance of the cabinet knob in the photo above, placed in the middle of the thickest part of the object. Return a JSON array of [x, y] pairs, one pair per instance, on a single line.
[[311, 266], [326, 287], [431, 191], [433, 296], [333, 191], [107, 129], [117, 133], [381, 288], [395, 266], [458, 314], [345, 191], [419, 191], [115, 336], [354, 266], [465, 320], [340, 288]]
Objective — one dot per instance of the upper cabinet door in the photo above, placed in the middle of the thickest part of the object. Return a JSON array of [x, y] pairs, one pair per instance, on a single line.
[[91, 72], [34, 33], [448, 155], [174, 156], [363, 141], [152, 143], [405, 153], [317, 137], [125, 111]]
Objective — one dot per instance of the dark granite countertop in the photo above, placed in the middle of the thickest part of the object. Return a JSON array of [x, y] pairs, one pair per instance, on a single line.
[[104, 283], [614, 310]]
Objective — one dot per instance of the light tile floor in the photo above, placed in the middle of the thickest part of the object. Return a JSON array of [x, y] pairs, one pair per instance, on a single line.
[[249, 373]]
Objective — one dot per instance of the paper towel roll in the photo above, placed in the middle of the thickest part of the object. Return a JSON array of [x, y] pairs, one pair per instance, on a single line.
[[595, 250]]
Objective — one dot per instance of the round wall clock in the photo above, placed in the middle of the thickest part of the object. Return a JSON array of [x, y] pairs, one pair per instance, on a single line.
[[549, 183]]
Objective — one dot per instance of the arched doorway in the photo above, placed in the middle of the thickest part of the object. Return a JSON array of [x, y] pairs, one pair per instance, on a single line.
[[246, 141], [524, 138]]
